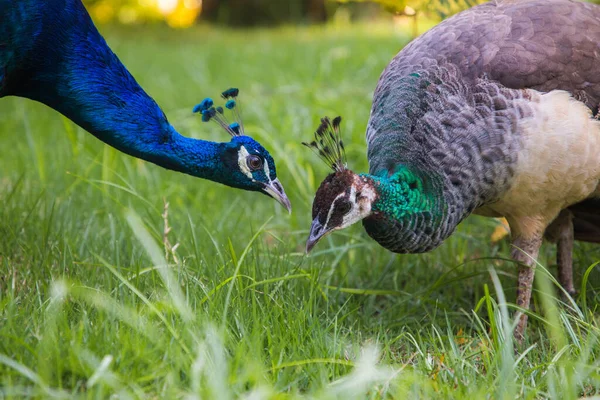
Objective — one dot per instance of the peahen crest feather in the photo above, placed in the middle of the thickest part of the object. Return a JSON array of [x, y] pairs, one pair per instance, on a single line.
[[328, 144]]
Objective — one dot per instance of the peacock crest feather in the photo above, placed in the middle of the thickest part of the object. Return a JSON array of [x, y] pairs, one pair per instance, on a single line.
[[328, 144], [209, 112]]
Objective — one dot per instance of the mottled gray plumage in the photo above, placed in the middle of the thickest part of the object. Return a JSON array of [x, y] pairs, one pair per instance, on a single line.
[[461, 136], [490, 112], [539, 44], [456, 121]]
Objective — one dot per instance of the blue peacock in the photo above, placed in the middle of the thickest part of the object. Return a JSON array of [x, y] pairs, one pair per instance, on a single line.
[[490, 112], [51, 52]]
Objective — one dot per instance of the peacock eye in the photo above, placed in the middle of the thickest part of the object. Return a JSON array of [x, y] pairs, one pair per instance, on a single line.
[[344, 207], [254, 162]]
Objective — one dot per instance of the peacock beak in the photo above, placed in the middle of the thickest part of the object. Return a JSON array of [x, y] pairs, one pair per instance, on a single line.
[[317, 231], [275, 190]]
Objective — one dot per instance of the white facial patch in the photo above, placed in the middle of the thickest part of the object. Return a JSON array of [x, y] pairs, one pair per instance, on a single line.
[[357, 212], [331, 208], [267, 172], [361, 205], [242, 156]]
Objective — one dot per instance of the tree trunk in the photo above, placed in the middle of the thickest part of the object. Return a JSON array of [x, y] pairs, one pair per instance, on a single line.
[[262, 12], [210, 10], [316, 10]]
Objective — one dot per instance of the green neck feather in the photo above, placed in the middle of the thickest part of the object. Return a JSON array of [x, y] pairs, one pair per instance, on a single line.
[[410, 213], [405, 193]]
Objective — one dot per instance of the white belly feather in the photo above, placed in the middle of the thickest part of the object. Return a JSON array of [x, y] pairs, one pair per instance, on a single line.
[[559, 164]]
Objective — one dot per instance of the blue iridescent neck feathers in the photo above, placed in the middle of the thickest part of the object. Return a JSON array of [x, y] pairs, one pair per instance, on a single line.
[[51, 52]]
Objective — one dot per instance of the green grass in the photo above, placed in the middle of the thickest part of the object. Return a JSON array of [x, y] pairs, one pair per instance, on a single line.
[[89, 309]]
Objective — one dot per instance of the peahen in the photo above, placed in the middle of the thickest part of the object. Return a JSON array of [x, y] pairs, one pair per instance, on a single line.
[[51, 52], [490, 112]]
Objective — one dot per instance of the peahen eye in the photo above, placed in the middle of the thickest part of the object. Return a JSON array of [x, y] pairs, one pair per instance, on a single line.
[[344, 207], [254, 162]]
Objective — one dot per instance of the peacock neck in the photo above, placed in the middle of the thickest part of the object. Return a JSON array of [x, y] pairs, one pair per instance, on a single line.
[[70, 68]]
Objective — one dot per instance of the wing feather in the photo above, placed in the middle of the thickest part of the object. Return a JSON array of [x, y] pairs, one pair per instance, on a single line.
[[539, 44]]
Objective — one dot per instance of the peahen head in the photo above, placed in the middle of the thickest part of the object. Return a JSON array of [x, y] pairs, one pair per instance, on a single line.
[[248, 164], [343, 197]]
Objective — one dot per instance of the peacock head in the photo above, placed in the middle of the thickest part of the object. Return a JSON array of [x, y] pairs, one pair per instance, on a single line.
[[343, 197], [250, 166]]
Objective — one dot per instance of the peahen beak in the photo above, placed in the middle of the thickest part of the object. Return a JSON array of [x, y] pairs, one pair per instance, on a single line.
[[317, 231], [275, 190]]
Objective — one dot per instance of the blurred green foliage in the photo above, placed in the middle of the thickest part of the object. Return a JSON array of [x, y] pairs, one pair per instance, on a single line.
[[439, 8], [262, 12], [124, 11], [226, 12], [176, 13], [243, 13]]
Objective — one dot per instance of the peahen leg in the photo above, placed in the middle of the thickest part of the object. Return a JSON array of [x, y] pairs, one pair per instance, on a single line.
[[525, 252], [561, 231]]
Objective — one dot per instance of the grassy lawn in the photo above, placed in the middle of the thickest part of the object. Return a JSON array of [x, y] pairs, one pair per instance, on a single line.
[[88, 308]]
